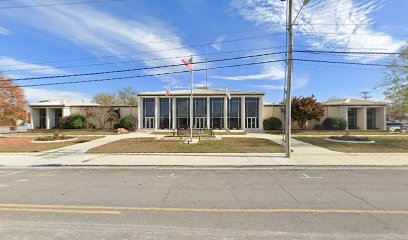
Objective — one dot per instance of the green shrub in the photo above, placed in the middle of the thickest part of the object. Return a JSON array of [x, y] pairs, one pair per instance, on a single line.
[[126, 122], [332, 123], [272, 123], [318, 126], [74, 121]]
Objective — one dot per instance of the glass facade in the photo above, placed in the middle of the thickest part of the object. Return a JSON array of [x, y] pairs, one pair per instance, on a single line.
[[183, 113], [371, 118], [352, 118], [234, 113], [148, 113], [165, 112], [200, 113], [252, 112], [43, 118], [216, 113], [58, 116]]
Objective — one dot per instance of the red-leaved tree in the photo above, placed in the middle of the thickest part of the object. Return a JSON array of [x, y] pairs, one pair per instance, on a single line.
[[305, 109], [12, 102]]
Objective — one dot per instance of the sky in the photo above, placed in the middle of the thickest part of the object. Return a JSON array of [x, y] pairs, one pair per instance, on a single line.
[[41, 38]]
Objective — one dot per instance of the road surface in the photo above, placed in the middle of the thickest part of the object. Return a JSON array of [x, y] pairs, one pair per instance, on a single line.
[[113, 203]]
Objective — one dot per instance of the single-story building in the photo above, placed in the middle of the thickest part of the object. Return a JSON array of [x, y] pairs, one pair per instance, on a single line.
[[241, 110]]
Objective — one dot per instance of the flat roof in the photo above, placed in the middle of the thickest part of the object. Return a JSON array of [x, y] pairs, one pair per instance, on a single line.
[[200, 92]]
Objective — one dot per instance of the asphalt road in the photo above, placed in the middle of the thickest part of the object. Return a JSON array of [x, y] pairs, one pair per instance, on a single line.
[[203, 204]]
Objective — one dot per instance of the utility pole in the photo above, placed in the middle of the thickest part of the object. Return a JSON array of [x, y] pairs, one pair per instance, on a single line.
[[288, 117], [365, 95]]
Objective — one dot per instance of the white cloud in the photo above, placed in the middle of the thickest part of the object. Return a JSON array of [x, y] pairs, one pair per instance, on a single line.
[[217, 44], [39, 94], [4, 31], [11, 64], [267, 73], [101, 33], [297, 84], [349, 21]]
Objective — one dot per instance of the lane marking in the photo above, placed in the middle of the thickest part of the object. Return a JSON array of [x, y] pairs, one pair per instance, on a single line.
[[210, 210], [58, 211], [172, 175], [307, 176]]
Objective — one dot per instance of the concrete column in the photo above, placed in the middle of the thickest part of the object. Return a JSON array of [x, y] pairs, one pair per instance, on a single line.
[[47, 119], [140, 113], [32, 125], [380, 118], [156, 112], [243, 113], [225, 112], [362, 118], [261, 104], [174, 113], [208, 112], [343, 114]]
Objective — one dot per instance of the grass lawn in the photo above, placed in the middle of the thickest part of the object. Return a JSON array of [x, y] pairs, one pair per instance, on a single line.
[[24, 144], [328, 132], [227, 145], [71, 132], [382, 145]]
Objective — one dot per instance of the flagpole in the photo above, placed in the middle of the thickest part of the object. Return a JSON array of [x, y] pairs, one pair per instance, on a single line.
[[191, 101], [169, 111]]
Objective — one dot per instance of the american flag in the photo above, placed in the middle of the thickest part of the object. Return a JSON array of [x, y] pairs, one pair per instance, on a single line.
[[188, 62], [168, 92]]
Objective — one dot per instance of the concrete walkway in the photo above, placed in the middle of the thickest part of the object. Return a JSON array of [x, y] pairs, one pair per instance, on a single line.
[[304, 154]]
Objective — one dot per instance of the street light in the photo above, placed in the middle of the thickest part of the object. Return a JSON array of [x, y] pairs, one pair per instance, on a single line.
[[288, 117]]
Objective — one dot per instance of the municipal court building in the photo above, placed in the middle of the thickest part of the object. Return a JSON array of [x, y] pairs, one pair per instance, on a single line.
[[213, 109]]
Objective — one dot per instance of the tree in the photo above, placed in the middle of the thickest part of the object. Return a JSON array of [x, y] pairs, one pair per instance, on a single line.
[[12, 102], [105, 99], [395, 84], [305, 109], [127, 96], [112, 116]]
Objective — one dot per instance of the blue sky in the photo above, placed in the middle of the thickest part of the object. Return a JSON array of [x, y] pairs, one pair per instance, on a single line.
[[54, 40]]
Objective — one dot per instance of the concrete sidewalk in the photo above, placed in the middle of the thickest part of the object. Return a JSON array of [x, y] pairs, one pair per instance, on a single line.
[[304, 154]]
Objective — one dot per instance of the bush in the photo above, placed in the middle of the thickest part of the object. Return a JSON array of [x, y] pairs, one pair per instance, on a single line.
[[332, 123], [272, 123], [74, 121], [126, 122], [318, 126]]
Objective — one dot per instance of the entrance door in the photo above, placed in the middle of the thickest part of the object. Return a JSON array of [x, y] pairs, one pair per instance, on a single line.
[[251, 122], [199, 122], [149, 122]]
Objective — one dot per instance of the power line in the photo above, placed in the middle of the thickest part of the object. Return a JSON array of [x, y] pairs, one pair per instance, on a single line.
[[147, 75], [144, 60], [58, 4], [143, 68], [348, 52], [141, 43], [348, 63], [154, 51]]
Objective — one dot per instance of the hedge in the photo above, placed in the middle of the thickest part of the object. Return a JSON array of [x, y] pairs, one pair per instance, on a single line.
[[332, 123], [272, 123], [74, 121], [126, 122]]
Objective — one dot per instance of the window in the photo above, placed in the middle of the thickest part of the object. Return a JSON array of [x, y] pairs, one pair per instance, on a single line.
[[252, 112], [148, 112], [183, 113], [200, 113], [58, 116], [352, 118], [234, 113], [165, 112], [371, 118], [43, 118], [217, 113]]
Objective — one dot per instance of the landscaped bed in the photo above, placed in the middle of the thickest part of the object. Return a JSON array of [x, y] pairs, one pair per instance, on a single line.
[[25, 144], [226, 145], [395, 144]]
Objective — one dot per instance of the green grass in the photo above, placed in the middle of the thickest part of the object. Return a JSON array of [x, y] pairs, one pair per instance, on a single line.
[[228, 145], [394, 144]]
